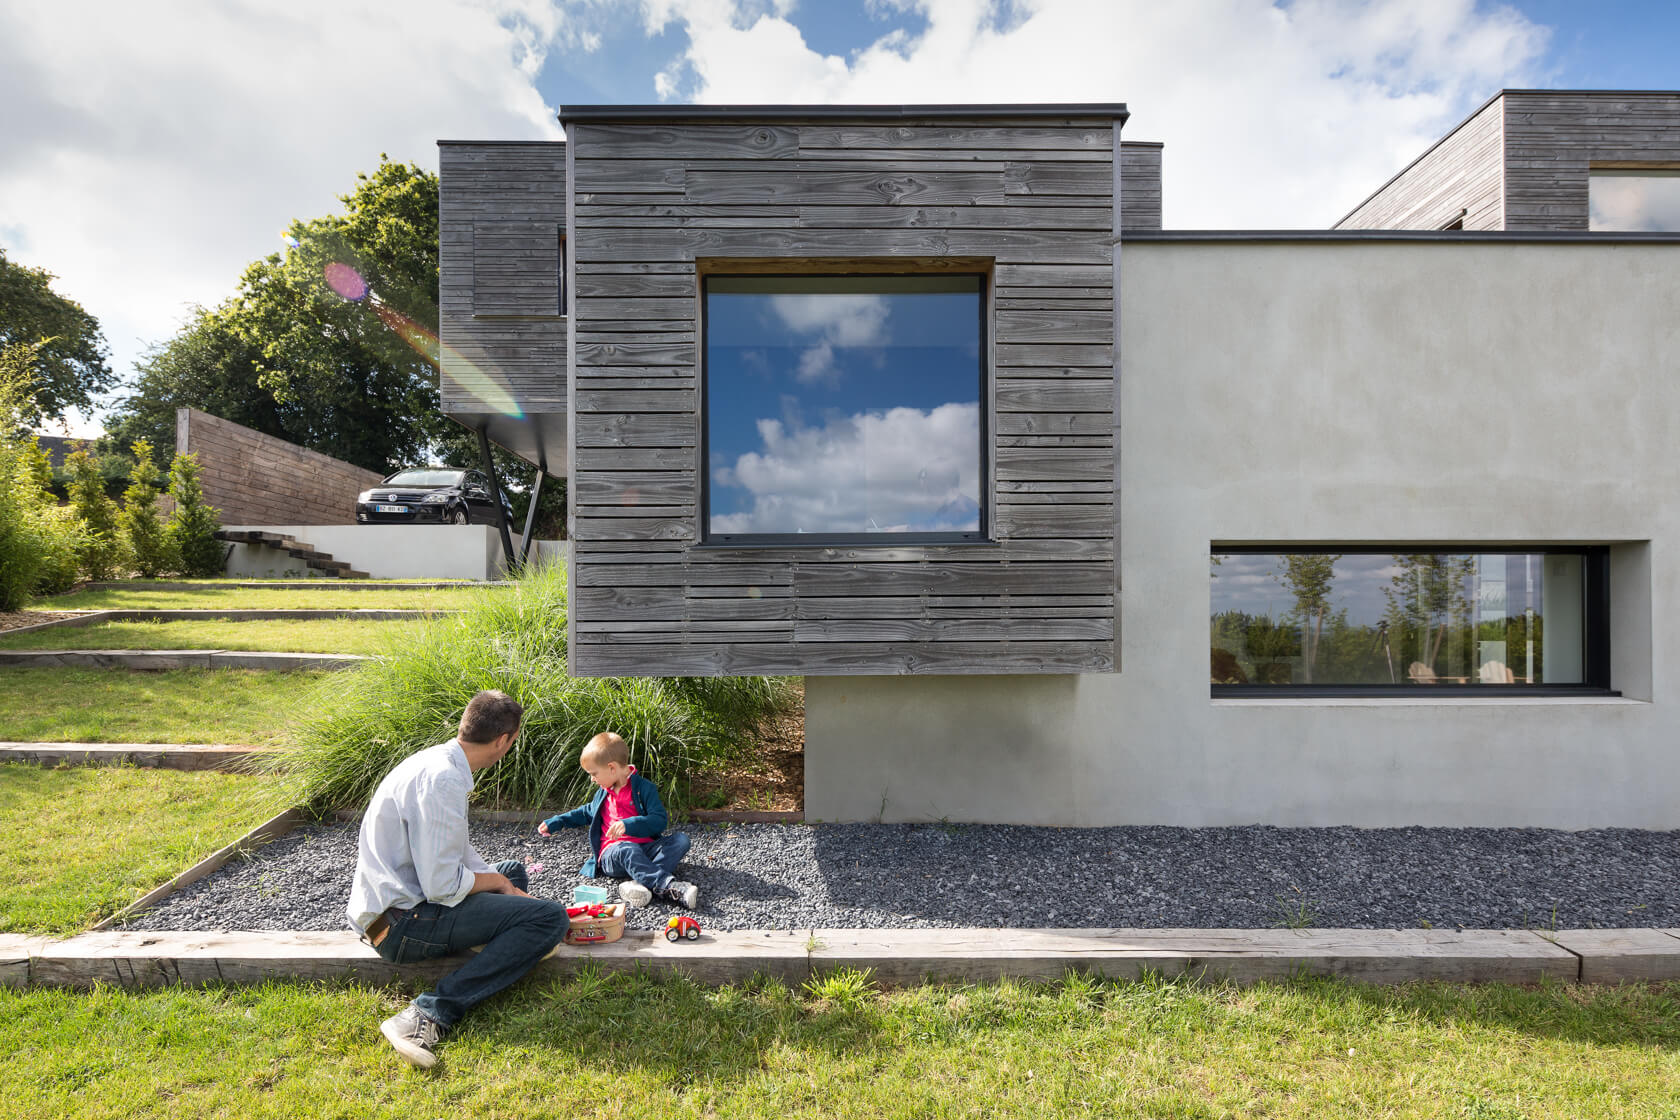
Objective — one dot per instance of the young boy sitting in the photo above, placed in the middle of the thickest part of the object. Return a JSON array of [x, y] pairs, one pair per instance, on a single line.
[[625, 820]]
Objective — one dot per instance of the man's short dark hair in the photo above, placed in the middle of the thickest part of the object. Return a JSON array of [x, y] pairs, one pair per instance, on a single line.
[[490, 714]]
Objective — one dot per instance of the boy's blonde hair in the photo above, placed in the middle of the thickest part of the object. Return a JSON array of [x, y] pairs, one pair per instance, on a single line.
[[607, 747]]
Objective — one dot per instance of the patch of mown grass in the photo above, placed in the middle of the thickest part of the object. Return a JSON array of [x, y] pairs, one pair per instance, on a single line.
[[79, 844], [278, 635], [633, 1046], [411, 696], [226, 596], [52, 705]]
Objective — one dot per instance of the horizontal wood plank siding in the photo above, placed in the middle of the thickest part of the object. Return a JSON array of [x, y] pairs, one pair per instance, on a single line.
[[1552, 141], [1032, 200], [1461, 174], [1140, 186], [501, 211]]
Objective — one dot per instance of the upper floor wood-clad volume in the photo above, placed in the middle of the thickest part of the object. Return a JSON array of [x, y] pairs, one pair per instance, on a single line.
[[662, 198], [1524, 161]]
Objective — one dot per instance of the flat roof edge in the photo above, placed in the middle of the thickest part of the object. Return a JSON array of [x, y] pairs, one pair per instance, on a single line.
[[1475, 236], [624, 113]]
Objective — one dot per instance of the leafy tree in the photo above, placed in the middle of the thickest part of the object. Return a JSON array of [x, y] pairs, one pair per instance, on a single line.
[[193, 524], [102, 548], [148, 544], [1428, 599], [62, 344], [1308, 577]]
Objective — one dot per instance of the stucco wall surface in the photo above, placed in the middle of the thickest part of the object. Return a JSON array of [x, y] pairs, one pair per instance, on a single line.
[[1298, 393], [388, 551]]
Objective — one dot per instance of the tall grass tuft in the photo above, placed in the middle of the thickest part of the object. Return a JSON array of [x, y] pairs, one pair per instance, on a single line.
[[411, 695]]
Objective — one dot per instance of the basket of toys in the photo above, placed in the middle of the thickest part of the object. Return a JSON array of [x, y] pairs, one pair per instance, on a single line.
[[596, 923]]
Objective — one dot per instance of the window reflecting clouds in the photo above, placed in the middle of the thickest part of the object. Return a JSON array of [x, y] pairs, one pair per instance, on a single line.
[[1634, 201], [843, 405]]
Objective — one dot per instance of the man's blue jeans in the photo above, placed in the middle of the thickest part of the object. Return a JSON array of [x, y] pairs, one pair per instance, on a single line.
[[651, 865], [516, 933]]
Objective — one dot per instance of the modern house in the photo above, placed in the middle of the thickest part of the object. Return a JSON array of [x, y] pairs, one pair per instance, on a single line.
[[921, 403]]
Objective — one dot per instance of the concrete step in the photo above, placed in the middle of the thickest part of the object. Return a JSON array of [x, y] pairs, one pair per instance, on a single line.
[[152, 756]]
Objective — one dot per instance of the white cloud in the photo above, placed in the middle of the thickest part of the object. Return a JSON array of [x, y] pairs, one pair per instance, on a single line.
[[900, 470], [839, 320], [1273, 116], [149, 151]]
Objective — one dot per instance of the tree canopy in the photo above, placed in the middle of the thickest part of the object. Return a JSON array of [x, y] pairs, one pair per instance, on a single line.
[[67, 350], [305, 350]]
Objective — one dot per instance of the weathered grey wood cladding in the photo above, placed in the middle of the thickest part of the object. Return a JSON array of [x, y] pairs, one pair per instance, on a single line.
[[1524, 160], [658, 202], [1140, 185], [501, 216]]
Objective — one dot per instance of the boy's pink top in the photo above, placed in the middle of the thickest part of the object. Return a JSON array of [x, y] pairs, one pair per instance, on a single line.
[[617, 806]]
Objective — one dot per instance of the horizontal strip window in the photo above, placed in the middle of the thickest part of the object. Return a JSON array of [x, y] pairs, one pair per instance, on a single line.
[[844, 409], [1409, 620]]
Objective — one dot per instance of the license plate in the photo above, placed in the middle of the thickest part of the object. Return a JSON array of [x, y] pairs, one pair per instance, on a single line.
[[390, 509]]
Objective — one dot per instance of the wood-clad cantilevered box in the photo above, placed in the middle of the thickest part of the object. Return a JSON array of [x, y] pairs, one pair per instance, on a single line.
[[676, 214]]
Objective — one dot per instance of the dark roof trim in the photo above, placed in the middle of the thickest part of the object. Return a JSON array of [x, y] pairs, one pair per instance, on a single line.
[[623, 113], [1475, 236], [501, 143]]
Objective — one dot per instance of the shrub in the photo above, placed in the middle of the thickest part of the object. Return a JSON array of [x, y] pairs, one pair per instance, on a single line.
[[60, 540], [102, 552], [148, 544], [191, 534], [20, 551], [411, 697]]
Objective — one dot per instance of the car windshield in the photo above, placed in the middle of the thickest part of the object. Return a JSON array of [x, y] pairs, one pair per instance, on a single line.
[[424, 478]]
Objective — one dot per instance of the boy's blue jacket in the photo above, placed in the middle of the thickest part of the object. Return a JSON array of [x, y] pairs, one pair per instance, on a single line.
[[649, 821]]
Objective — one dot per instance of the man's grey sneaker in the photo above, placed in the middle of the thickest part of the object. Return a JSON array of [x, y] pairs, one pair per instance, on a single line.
[[634, 893], [681, 893], [414, 1035]]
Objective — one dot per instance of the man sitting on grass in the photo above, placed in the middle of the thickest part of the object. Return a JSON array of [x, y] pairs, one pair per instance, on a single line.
[[421, 889]]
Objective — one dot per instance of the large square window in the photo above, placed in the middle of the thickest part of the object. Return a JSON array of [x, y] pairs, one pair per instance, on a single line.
[[1409, 619], [844, 408]]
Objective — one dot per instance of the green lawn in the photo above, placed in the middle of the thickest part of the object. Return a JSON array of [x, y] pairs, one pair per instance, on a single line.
[[79, 844], [53, 705], [281, 635], [635, 1047], [229, 596]]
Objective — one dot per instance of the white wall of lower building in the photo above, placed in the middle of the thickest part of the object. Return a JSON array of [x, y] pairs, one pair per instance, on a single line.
[[1295, 393], [387, 551]]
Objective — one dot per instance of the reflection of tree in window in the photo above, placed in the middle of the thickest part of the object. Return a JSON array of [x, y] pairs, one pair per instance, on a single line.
[[1308, 577], [1428, 603]]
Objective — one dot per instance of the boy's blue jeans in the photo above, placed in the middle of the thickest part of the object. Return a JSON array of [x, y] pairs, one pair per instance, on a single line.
[[652, 865], [516, 933]]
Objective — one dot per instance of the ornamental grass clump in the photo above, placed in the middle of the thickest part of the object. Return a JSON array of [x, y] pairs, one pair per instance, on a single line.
[[411, 695]]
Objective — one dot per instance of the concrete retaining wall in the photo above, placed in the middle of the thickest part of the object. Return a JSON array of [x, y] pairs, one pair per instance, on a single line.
[[390, 551]]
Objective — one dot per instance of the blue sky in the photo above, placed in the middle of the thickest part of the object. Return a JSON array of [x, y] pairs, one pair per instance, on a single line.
[[149, 151]]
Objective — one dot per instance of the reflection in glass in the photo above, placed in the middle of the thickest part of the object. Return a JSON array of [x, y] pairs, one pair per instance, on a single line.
[[1634, 201], [843, 405], [1398, 619]]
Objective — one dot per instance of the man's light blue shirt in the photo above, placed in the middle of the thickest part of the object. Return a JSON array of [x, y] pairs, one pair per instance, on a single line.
[[413, 846]]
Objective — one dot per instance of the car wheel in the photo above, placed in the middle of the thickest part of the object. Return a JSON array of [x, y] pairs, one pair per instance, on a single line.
[[693, 933], [671, 935], [459, 517]]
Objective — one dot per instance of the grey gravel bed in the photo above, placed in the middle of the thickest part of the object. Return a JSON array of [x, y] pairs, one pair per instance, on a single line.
[[769, 876]]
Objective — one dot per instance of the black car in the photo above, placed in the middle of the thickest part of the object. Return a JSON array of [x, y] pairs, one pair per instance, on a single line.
[[430, 496]]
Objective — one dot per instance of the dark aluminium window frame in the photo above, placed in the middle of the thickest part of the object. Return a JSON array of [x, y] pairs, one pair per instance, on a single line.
[[1595, 607], [981, 536]]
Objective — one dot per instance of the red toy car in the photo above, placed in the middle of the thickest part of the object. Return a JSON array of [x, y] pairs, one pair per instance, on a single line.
[[680, 927]]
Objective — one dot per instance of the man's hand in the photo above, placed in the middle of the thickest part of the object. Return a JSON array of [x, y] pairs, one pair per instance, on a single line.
[[494, 882], [616, 831]]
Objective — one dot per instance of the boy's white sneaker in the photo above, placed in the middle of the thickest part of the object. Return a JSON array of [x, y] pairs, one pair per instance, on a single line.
[[681, 893], [634, 893]]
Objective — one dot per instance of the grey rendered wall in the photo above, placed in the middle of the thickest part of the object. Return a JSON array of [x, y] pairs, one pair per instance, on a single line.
[[1323, 392], [1031, 201], [1552, 140], [501, 211], [1463, 173]]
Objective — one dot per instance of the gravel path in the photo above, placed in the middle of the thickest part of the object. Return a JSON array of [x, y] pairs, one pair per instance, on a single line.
[[770, 876]]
